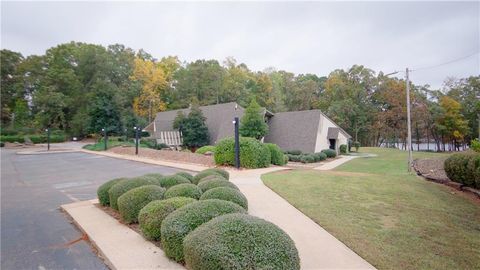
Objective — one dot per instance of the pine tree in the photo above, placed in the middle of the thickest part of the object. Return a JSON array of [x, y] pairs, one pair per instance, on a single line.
[[252, 124], [193, 128]]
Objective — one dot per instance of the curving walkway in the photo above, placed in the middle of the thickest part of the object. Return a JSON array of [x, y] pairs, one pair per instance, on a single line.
[[318, 249]]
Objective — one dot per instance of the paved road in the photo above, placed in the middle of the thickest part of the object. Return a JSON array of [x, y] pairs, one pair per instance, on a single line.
[[35, 234]]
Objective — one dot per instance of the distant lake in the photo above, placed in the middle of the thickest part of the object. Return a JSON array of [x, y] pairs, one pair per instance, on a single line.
[[422, 146]]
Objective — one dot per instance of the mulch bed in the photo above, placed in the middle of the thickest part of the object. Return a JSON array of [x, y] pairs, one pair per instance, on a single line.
[[169, 155]]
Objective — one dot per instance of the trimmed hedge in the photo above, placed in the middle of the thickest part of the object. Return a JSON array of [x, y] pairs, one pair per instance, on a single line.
[[253, 154], [172, 180], [293, 152], [276, 154], [330, 153], [464, 168], [185, 175], [102, 191], [132, 201], [123, 186], [222, 172], [184, 220], [12, 138], [343, 149], [214, 183], [184, 190], [239, 241], [210, 177], [226, 194], [151, 216], [196, 179], [309, 158], [207, 148], [319, 156]]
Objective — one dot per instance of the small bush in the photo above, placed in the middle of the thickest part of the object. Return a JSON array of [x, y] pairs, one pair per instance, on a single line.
[[319, 156], [222, 172], [294, 152], [196, 179], [102, 191], [294, 158], [285, 159], [226, 194], [151, 216], [253, 154], [132, 201], [184, 190], [464, 168], [185, 175], [343, 149], [153, 176], [123, 186], [172, 180], [330, 153], [276, 154], [475, 145], [12, 138], [214, 183], [307, 158], [210, 177], [239, 241], [204, 149], [184, 220], [357, 146]]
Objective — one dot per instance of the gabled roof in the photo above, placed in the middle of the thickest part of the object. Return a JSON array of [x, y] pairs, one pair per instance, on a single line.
[[219, 119], [294, 130]]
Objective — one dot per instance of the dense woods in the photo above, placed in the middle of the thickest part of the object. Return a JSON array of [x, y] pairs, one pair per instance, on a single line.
[[80, 88]]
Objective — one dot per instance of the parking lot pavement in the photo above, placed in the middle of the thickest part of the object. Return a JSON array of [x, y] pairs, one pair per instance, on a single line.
[[35, 234]]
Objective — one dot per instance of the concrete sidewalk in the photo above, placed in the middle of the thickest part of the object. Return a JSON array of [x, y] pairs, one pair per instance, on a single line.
[[317, 248], [335, 163]]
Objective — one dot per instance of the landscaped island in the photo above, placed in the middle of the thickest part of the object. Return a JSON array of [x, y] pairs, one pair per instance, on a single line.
[[200, 220]]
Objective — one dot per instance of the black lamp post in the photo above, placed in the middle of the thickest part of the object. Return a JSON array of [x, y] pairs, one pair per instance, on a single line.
[[105, 138], [48, 139], [136, 139], [237, 143]]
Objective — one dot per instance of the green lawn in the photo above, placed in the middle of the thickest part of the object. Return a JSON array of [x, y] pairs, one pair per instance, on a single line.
[[393, 219]]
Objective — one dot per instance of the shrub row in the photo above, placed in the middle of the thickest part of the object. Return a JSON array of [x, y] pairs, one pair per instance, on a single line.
[[307, 158], [464, 168], [33, 138], [253, 154], [277, 156], [132, 201]]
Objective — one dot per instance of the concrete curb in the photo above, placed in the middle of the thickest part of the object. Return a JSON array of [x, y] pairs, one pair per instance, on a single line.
[[172, 164], [117, 244], [44, 152]]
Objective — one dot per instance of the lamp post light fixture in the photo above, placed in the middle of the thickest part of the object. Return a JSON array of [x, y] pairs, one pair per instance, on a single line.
[[105, 138], [136, 139], [237, 143], [48, 138]]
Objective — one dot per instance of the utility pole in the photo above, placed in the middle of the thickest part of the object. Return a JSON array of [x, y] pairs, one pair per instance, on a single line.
[[409, 127]]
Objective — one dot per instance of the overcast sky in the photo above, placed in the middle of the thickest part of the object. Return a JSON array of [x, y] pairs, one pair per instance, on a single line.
[[301, 37]]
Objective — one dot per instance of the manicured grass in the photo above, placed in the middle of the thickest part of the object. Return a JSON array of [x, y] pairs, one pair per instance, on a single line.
[[393, 219], [100, 146]]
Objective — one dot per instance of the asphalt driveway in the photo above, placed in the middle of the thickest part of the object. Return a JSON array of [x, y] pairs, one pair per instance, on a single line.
[[35, 234]]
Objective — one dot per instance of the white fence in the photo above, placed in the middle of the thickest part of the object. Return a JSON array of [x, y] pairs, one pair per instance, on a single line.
[[170, 138]]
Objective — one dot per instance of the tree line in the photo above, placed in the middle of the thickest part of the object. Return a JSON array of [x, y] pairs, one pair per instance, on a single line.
[[81, 88]]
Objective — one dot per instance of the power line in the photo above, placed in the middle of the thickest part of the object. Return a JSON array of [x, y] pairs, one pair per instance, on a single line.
[[445, 63]]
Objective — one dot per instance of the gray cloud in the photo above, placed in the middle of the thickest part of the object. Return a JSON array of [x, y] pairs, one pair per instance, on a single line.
[[302, 37]]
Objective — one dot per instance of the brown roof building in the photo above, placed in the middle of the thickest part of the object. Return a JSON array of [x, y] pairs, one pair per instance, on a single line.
[[309, 131]]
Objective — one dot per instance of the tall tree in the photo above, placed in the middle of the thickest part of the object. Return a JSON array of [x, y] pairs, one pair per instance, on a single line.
[[252, 123]]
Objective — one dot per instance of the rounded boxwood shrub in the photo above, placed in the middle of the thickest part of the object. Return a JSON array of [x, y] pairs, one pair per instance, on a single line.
[[253, 154], [156, 176], [151, 216], [307, 158], [319, 156], [123, 186], [185, 175], [102, 191], [196, 179], [210, 177], [172, 180], [226, 194], [132, 201], [184, 220], [222, 172], [184, 190], [343, 149], [294, 158], [214, 183], [463, 168], [276, 154], [330, 153], [204, 149], [239, 241]]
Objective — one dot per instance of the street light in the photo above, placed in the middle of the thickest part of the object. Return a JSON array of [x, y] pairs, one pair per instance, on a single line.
[[136, 139], [48, 138], [237, 143], [104, 130], [409, 125]]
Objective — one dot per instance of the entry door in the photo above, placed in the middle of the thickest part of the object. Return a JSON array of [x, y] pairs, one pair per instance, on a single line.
[[332, 144]]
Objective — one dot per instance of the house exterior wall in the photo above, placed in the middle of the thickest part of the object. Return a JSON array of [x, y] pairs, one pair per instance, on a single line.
[[322, 141]]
